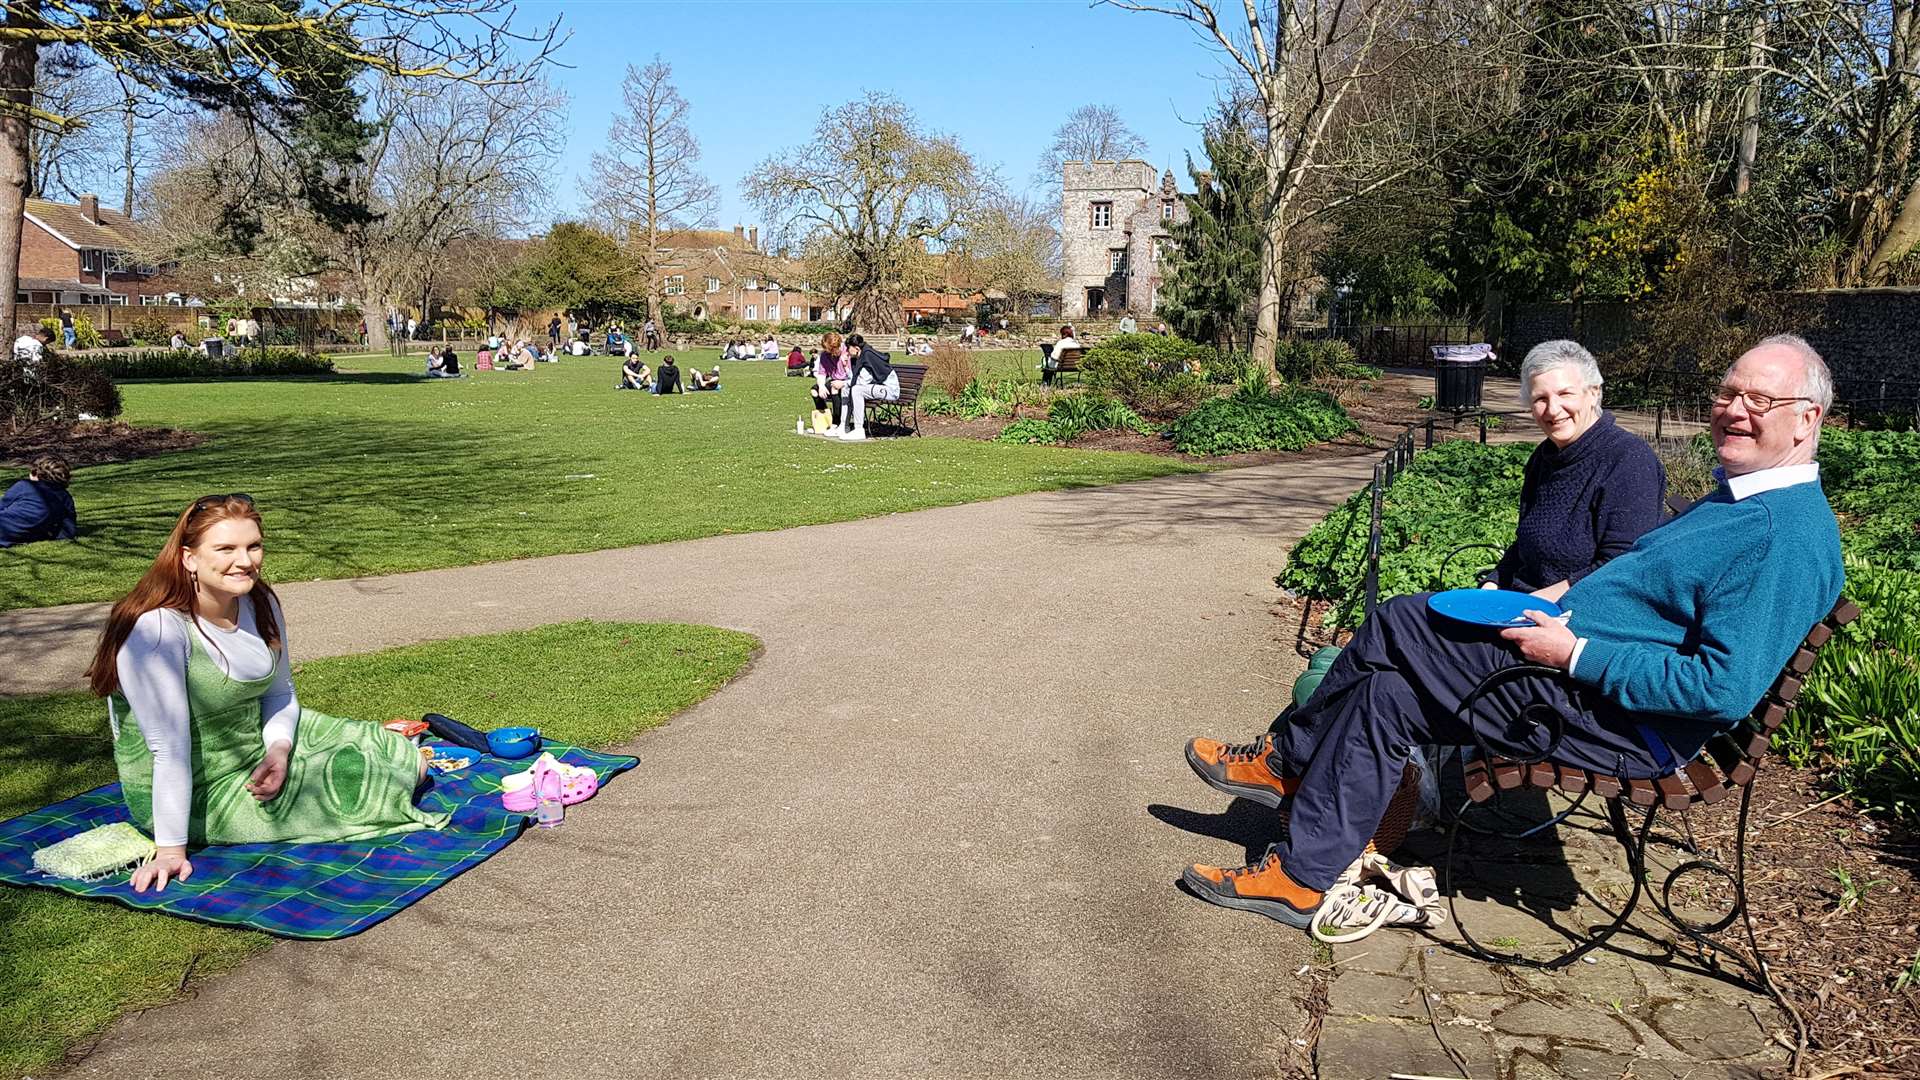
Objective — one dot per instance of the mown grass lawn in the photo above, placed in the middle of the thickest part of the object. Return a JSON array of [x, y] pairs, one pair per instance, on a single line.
[[68, 966], [375, 471]]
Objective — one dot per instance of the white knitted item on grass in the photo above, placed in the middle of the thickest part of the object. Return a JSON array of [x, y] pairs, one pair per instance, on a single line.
[[97, 853]]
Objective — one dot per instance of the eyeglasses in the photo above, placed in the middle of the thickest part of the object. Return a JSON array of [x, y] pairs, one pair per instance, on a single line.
[[205, 501], [1757, 403]]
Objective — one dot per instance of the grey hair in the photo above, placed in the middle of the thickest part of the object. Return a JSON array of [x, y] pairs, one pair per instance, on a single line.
[[1816, 384], [1560, 353]]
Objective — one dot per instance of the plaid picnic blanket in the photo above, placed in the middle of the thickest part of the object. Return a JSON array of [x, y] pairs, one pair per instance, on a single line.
[[316, 891]]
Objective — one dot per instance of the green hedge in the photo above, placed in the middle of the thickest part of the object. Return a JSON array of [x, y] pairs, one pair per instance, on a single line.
[[1073, 415], [192, 364], [1255, 418]]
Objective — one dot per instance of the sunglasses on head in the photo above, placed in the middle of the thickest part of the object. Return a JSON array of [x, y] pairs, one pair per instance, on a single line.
[[205, 501]]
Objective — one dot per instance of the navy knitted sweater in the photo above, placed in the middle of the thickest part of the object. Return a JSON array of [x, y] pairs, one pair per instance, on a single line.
[[1581, 505]]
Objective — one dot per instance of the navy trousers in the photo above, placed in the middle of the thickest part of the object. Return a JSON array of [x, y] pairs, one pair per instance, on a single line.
[[1396, 687]]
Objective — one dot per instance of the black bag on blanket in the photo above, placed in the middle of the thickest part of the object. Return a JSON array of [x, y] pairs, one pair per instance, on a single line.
[[450, 730]]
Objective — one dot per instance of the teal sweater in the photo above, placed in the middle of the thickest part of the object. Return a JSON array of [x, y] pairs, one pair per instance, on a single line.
[[1697, 618]]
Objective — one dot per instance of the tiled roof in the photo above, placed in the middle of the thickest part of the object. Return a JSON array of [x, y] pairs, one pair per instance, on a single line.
[[115, 232], [686, 238]]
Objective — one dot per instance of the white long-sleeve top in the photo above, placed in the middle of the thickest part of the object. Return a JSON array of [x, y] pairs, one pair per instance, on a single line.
[[153, 678]]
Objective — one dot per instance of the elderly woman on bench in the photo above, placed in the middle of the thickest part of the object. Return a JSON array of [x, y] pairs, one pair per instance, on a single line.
[[1664, 646], [1592, 488]]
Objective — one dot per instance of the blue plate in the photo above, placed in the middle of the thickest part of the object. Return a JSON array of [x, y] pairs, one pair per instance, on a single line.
[[1489, 607]]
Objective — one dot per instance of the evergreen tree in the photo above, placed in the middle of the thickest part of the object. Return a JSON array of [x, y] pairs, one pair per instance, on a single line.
[[1214, 276]]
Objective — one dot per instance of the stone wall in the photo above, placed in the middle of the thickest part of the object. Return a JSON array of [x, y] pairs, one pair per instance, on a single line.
[[1866, 335]]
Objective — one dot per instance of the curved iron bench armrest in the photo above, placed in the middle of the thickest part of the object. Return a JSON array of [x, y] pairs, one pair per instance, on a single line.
[[1447, 563], [1555, 721]]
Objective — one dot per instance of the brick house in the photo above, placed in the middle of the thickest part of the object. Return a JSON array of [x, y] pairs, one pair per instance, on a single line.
[[715, 274], [1114, 218], [82, 254]]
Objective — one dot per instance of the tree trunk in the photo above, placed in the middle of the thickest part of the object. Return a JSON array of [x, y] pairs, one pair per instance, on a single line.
[[1273, 244], [876, 313], [1750, 109], [375, 313], [126, 161], [17, 63]]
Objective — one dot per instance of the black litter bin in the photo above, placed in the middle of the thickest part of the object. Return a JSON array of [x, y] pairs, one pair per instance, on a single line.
[[1459, 375]]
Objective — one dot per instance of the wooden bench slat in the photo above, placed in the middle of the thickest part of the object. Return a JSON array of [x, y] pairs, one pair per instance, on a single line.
[[1769, 718], [1541, 774], [1844, 612], [1642, 792], [1479, 784], [1802, 660], [1572, 781], [1673, 791], [1607, 787], [1506, 775], [1706, 781], [1724, 752], [1819, 635]]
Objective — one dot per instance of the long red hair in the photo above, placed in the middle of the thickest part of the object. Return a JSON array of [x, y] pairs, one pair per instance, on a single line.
[[166, 584]]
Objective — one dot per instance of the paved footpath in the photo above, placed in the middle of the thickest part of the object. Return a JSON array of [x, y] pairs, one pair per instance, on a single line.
[[913, 839]]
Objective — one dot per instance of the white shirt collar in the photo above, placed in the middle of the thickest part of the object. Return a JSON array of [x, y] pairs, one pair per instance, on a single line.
[[1754, 483]]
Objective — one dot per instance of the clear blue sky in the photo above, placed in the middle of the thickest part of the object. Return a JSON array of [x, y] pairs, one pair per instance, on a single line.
[[1000, 76]]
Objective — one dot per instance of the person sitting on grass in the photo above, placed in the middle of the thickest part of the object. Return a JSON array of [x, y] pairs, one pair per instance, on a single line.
[[443, 364], [769, 349], [667, 381], [1662, 647], [211, 744], [617, 343], [520, 357], [708, 381], [39, 507], [634, 374], [797, 362]]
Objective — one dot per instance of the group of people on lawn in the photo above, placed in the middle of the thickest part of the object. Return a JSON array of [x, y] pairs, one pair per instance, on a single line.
[[1673, 629], [636, 375]]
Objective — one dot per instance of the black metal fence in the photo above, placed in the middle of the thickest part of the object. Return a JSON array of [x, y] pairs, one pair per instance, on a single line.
[[1680, 403], [1418, 437], [1405, 346]]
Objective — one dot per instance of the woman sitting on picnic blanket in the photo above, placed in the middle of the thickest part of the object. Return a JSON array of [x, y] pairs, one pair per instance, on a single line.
[[211, 745], [1591, 488]]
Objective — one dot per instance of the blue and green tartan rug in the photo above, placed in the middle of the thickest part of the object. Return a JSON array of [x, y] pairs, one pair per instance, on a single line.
[[315, 891]]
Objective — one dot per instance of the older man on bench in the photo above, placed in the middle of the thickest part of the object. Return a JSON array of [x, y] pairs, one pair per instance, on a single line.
[[1665, 645]]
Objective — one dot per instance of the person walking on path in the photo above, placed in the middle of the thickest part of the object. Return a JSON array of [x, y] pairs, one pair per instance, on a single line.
[[68, 334]]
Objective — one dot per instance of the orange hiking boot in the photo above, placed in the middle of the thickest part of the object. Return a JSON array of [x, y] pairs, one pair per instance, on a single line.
[[1263, 888], [1248, 771]]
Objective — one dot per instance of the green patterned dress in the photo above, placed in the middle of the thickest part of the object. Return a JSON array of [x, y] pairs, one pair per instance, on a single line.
[[346, 779]]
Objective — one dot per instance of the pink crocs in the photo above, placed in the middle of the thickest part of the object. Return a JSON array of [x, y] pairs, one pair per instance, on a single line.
[[519, 792]]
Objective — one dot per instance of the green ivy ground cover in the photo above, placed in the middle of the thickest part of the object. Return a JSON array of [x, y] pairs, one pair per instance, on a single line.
[[376, 471]]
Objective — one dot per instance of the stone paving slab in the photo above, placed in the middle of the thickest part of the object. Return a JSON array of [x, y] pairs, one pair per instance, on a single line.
[[1639, 1010]]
